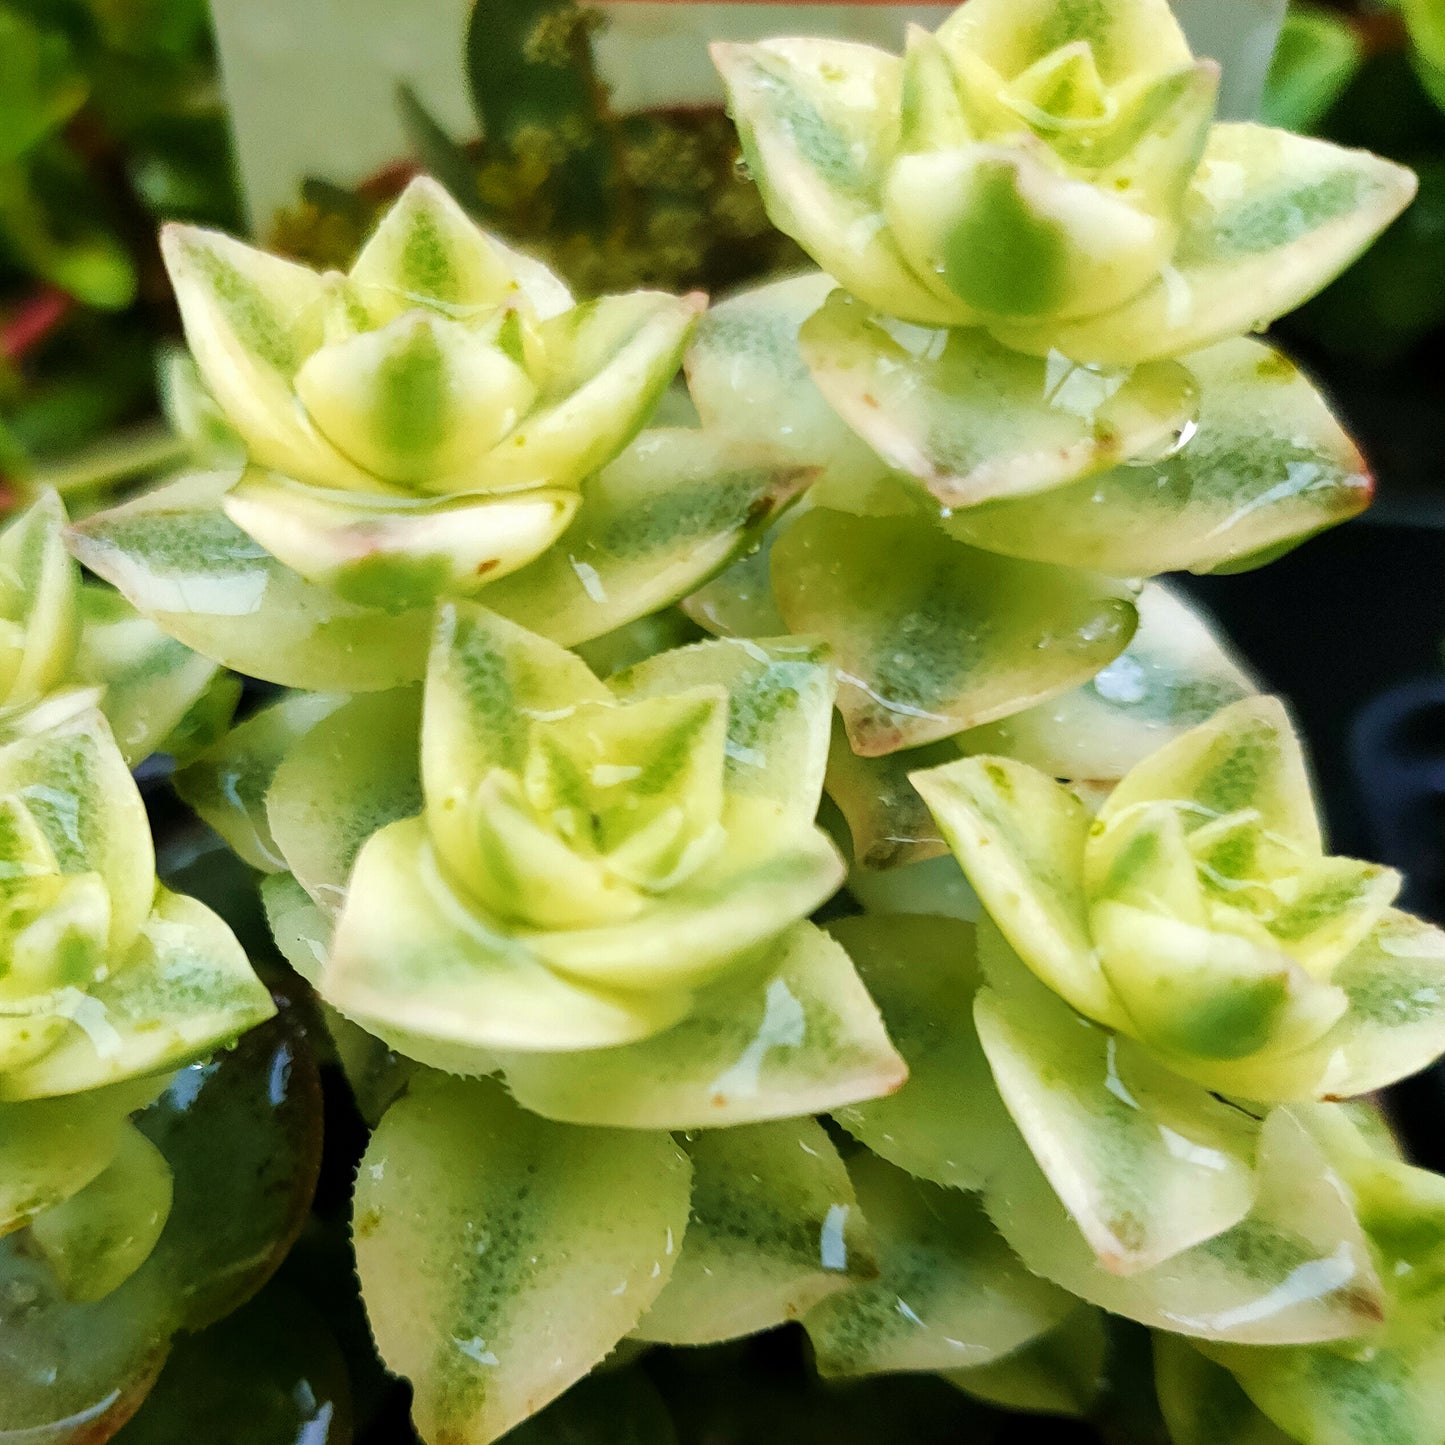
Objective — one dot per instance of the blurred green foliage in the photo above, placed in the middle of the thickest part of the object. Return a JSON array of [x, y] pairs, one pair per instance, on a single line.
[[111, 120]]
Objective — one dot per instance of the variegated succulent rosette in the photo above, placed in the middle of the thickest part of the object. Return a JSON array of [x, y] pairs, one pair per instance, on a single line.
[[109, 982], [1093, 1019], [442, 421], [1022, 366], [1154, 1029]]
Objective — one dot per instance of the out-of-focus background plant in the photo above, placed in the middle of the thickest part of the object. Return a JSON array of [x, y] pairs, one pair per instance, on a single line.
[[111, 118]]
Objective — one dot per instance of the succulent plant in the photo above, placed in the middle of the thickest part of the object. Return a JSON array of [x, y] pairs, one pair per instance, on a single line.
[[1198, 913], [1053, 174]]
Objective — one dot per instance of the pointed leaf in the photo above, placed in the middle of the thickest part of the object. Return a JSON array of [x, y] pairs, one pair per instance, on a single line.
[[75, 785], [775, 1227], [608, 362], [888, 820], [673, 509], [98, 1238], [413, 963], [495, 1287], [1329, 1396], [1174, 675], [747, 377], [1125, 36], [51, 1149], [1059, 1373], [942, 1125], [694, 933], [791, 1036], [349, 773], [427, 249], [180, 561], [151, 682], [1268, 466], [1395, 1025], [395, 553], [1296, 1269], [956, 639], [251, 321], [1147, 1164], [1020, 838], [39, 616], [1271, 218], [949, 1294], [818, 121], [228, 783], [1017, 238], [780, 701], [186, 989], [975, 421], [1245, 758], [1201, 1402]]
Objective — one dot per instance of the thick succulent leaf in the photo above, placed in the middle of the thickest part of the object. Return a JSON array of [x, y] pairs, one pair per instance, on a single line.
[[1271, 218], [1395, 1026], [1266, 467], [943, 1124], [72, 1371], [152, 683], [77, 788], [694, 933], [51, 1149], [95, 1240], [1296, 1269], [949, 1292], [395, 552], [245, 1129], [493, 1288], [609, 361], [1059, 1373], [747, 377], [346, 772], [428, 250], [780, 704], [1388, 1390], [417, 399], [1020, 838], [975, 421], [1245, 758], [1018, 239], [1126, 37], [412, 963], [1147, 1164], [956, 639], [775, 1227], [39, 617], [1174, 675], [185, 989], [1201, 1402], [672, 510], [793, 1034], [181, 561], [888, 821], [228, 783], [251, 321], [818, 121], [487, 681]]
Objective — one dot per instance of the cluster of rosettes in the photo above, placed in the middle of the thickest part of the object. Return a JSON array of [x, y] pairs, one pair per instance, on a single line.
[[109, 982], [550, 854]]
